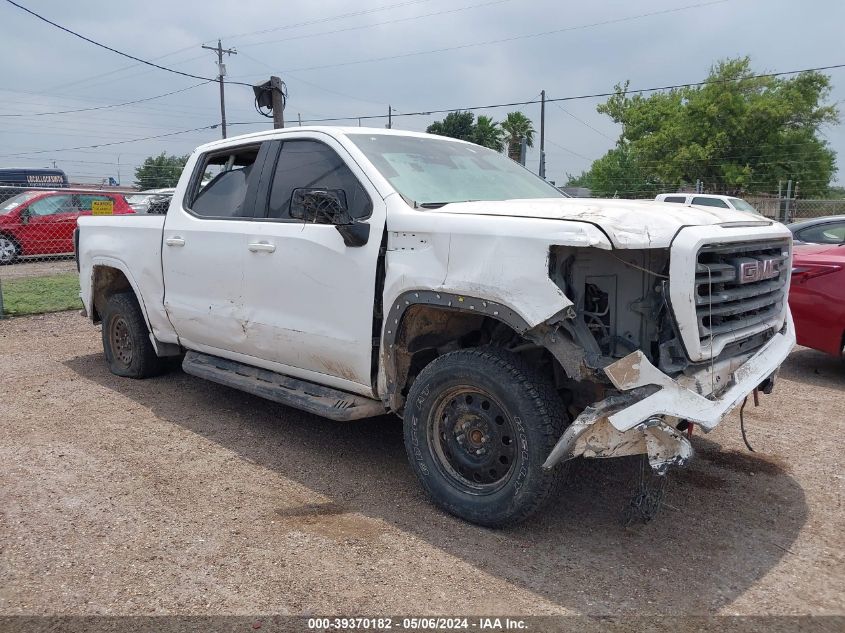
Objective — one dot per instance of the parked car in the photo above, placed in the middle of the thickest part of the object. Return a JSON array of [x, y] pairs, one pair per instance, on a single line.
[[352, 272], [707, 200], [817, 297], [42, 222], [829, 230], [149, 200]]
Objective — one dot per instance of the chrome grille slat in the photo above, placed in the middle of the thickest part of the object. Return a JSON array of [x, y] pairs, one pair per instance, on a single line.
[[726, 306]]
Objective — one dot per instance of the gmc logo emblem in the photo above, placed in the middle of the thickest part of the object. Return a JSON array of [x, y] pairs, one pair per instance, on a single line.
[[750, 270]]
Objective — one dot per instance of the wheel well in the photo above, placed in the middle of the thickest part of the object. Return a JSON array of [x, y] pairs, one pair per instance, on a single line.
[[426, 332], [106, 281], [14, 239]]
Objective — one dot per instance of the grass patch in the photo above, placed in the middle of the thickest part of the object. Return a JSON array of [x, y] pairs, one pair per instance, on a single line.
[[34, 295]]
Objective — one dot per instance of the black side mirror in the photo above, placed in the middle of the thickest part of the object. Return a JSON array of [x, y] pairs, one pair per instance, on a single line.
[[328, 206], [24, 216]]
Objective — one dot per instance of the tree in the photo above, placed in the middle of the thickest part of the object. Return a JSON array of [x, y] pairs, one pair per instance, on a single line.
[[159, 172], [488, 133], [460, 125], [517, 127], [736, 133]]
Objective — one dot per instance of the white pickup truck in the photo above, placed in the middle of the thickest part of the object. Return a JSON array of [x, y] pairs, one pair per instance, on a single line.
[[352, 272]]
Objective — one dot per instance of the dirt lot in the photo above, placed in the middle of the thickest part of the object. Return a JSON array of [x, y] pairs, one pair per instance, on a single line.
[[173, 495], [38, 267]]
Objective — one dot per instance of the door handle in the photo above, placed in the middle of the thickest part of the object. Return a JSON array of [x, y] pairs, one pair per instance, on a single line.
[[262, 247], [174, 241]]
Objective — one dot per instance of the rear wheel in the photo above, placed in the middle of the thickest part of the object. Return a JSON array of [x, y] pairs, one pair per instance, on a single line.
[[9, 250], [126, 341], [478, 425]]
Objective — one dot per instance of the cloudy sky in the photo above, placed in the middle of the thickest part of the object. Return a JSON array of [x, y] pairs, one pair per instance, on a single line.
[[348, 59]]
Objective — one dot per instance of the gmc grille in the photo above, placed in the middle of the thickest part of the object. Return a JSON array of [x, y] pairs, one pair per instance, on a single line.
[[740, 287]]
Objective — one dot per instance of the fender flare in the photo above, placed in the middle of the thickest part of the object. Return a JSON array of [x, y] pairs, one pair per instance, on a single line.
[[568, 354]]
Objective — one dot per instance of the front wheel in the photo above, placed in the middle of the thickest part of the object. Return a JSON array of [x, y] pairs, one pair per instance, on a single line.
[[9, 250], [478, 425]]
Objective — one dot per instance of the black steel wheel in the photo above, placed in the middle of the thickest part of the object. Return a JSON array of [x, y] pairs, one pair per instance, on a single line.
[[479, 423], [126, 339]]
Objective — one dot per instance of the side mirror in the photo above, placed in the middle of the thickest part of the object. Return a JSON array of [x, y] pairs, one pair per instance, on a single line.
[[328, 206], [24, 216]]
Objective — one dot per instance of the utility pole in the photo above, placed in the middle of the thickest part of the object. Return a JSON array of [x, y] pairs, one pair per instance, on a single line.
[[299, 116], [221, 72], [542, 171], [389, 117], [277, 93]]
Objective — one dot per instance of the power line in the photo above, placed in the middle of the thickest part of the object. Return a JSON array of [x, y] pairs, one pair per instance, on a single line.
[[374, 24], [328, 19], [572, 98], [114, 50], [507, 39], [131, 140], [112, 105], [599, 132]]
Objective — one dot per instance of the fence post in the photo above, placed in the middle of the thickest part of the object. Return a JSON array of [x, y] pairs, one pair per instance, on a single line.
[[1, 300]]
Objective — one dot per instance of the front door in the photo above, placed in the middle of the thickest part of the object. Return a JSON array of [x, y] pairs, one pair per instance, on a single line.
[[204, 248], [47, 225], [310, 297]]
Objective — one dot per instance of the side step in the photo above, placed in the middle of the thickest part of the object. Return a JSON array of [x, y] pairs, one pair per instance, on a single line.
[[308, 396]]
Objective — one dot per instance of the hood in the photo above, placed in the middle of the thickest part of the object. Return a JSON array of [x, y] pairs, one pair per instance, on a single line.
[[628, 223]]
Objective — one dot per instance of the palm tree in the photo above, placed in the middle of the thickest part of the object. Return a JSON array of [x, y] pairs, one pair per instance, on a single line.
[[487, 133], [517, 127]]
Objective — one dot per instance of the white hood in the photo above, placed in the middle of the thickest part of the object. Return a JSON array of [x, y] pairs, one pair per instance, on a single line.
[[628, 223]]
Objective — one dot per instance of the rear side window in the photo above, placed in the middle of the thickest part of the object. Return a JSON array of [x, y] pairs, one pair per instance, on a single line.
[[711, 202], [678, 199], [831, 233], [311, 164], [221, 181]]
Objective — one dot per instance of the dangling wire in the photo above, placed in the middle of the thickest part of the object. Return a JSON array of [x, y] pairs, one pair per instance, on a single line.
[[742, 425]]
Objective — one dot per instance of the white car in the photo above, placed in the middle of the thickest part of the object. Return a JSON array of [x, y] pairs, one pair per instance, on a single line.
[[141, 201], [353, 272], [708, 200]]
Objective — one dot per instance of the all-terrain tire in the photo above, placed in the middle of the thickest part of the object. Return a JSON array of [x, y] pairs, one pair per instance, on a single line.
[[479, 423], [126, 339]]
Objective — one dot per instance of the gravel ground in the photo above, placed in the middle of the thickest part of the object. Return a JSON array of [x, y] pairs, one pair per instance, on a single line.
[[38, 267], [173, 495]]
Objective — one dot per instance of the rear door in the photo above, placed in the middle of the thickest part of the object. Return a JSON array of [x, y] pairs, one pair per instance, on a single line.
[[204, 247], [310, 296]]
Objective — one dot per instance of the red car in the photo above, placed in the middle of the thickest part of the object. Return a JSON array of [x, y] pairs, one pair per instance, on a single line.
[[42, 222], [817, 296]]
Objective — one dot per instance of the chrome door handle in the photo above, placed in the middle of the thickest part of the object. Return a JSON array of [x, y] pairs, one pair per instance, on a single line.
[[174, 241], [262, 247]]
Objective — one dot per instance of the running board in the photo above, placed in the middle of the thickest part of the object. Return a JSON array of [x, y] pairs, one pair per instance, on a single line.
[[307, 396]]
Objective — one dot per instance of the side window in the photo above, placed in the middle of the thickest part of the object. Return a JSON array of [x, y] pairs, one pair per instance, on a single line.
[[86, 200], [311, 164], [52, 206], [832, 233], [711, 202], [679, 199], [220, 183]]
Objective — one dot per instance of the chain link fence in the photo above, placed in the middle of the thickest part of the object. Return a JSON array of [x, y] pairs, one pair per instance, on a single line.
[[37, 265]]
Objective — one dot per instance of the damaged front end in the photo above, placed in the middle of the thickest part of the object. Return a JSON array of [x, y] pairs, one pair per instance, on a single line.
[[650, 412], [671, 338]]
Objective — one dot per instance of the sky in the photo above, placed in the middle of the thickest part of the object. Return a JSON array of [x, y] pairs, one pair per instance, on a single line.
[[347, 59]]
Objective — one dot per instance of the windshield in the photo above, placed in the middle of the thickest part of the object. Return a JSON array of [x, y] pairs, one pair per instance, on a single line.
[[12, 203], [434, 171], [741, 205]]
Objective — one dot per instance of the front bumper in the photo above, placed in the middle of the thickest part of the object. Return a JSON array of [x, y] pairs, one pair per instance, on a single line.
[[637, 420]]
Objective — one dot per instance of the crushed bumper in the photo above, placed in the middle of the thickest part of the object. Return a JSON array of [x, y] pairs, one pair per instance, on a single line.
[[637, 420]]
